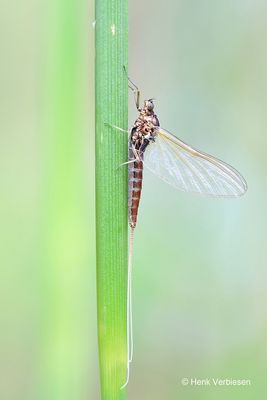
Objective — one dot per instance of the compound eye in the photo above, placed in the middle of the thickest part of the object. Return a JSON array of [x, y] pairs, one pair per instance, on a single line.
[[150, 105]]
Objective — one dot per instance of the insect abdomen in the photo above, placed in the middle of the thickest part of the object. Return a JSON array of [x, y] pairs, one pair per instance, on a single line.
[[135, 188]]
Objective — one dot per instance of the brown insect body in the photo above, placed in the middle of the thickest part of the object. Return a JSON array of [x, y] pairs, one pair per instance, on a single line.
[[143, 131]]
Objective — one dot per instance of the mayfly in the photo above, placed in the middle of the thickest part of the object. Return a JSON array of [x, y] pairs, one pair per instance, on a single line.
[[178, 164]]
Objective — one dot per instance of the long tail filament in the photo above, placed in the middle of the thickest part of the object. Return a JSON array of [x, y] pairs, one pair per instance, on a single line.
[[129, 309]]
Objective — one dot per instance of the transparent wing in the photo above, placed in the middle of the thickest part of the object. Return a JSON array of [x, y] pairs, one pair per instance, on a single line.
[[191, 170]]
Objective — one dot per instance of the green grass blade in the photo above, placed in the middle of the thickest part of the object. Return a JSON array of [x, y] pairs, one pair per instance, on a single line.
[[111, 193]]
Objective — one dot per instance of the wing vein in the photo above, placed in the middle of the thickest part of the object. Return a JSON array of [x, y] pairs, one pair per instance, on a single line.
[[191, 170]]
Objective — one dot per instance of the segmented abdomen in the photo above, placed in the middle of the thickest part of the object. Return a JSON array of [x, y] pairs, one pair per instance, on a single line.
[[135, 188]]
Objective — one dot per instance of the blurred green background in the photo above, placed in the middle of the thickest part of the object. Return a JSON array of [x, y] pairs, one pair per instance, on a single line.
[[200, 275]]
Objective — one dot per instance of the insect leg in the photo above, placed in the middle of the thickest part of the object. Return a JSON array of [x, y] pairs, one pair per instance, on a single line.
[[133, 160], [137, 153], [137, 157], [134, 89], [127, 162], [116, 127]]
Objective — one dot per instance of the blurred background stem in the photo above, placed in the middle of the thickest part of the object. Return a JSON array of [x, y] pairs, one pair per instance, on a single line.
[[65, 241], [111, 192]]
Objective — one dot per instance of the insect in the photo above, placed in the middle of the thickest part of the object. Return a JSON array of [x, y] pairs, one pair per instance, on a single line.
[[178, 164], [174, 161]]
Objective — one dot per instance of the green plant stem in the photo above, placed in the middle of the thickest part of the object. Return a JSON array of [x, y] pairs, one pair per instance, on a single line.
[[111, 193]]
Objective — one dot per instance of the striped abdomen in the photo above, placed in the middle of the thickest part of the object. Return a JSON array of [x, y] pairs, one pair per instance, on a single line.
[[135, 188]]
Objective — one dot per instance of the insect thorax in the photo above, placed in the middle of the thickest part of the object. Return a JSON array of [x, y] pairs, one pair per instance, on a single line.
[[144, 129]]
